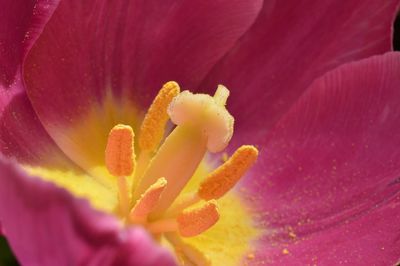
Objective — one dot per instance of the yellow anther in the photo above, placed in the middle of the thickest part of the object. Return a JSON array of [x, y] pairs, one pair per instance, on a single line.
[[120, 154], [196, 221], [153, 126], [222, 179], [148, 201], [221, 95]]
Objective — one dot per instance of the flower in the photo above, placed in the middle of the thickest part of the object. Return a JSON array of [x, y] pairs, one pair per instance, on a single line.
[[325, 188]]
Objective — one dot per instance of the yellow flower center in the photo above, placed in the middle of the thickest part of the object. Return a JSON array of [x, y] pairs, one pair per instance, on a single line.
[[153, 198]]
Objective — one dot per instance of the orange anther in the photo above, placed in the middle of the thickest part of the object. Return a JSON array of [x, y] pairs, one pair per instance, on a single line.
[[222, 179], [120, 154], [196, 221], [147, 201], [153, 126]]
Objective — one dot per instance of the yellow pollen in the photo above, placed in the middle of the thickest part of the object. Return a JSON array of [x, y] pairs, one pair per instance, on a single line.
[[153, 126], [120, 154], [147, 201], [196, 221], [222, 179]]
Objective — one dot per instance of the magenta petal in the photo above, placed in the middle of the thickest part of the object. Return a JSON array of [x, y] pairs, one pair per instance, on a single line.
[[129, 48], [21, 21], [292, 44], [45, 225], [329, 172], [23, 137]]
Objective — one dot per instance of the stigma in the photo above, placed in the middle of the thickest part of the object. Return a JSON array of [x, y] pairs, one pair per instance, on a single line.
[[150, 185]]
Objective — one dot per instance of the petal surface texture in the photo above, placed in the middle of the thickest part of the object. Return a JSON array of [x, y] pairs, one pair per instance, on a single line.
[[95, 58], [21, 22], [22, 136], [42, 219], [290, 45], [328, 179]]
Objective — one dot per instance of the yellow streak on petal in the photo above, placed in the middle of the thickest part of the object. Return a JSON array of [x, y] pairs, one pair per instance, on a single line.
[[224, 178], [119, 153], [153, 126], [195, 221], [148, 201], [79, 184]]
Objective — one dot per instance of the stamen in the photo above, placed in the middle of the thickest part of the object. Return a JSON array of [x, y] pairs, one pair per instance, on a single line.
[[163, 226], [221, 180], [153, 126], [189, 254], [190, 222], [196, 221], [147, 201], [120, 161], [176, 160], [120, 154], [123, 196]]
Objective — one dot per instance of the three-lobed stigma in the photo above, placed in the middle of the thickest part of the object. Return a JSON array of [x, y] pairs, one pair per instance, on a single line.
[[164, 166]]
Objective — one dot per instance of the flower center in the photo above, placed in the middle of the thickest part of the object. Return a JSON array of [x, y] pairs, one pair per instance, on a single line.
[[152, 199]]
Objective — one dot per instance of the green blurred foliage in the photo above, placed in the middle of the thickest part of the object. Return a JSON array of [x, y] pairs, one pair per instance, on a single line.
[[6, 256]]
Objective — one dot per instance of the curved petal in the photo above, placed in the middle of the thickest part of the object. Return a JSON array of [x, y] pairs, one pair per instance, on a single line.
[[21, 22], [327, 183], [23, 137], [21, 134], [94, 54], [45, 225], [292, 44]]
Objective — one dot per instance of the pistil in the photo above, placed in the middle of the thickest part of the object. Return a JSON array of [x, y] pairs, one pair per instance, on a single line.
[[164, 167], [176, 160]]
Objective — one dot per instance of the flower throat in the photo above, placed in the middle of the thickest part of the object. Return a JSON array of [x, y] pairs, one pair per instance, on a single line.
[[162, 169]]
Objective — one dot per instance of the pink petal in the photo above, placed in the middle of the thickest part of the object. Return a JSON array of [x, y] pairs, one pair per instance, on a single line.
[[329, 171], [45, 225], [129, 47], [21, 21], [91, 50], [23, 137], [292, 44], [21, 134]]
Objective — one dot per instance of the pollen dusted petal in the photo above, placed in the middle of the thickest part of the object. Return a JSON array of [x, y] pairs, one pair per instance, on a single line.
[[152, 129], [147, 201], [120, 154], [196, 221], [228, 174]]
